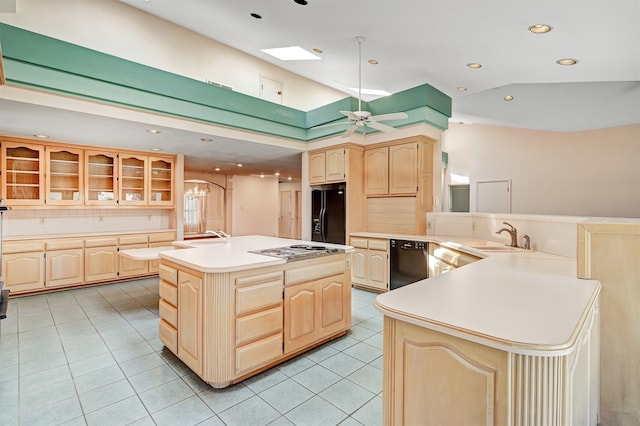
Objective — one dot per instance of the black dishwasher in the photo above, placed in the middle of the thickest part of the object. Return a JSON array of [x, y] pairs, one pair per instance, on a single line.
[[408, 262]]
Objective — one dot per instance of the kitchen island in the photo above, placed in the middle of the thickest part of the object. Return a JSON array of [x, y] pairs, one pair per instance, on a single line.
[[512, 339], [229, 313]]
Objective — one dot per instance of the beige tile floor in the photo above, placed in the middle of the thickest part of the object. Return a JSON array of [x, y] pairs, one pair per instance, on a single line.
[[92, 357]]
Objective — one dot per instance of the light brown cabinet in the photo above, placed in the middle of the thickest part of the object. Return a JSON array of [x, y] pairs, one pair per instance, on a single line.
[[131, 267], [168, 307], [190, 320], [327, 166], [159, 239], [101, 259], [101, 175], [64, 262], [370, 267], [391, 170], [64, 176], [23, 266], [133, 175], [22, 174], [161, 177]]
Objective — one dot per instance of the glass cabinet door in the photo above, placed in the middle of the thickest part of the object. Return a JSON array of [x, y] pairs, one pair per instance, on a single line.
[[133, 179], [161, 181], [101, 177], [64, 176], [23, 176]]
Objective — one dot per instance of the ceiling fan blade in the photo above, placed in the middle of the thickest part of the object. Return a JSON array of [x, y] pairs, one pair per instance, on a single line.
[[392, 116], [381, 127], [352, 116], [349, 131]]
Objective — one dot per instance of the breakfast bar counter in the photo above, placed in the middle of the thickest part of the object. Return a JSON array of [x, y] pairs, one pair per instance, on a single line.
[[510, 339]]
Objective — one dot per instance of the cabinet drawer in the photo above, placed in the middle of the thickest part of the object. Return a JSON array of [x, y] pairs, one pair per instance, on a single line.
[[162, 236], [258, 296], [258, 353], [359, 242], [169, 336], [169, 292], [379, 245], [23, 247], [133, 239], [255, 326], [168, 274], [168, 313], [101, 242], [313, 272], [64, 244]]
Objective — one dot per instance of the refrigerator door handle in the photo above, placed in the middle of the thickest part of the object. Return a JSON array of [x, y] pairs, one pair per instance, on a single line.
[[323, 224]]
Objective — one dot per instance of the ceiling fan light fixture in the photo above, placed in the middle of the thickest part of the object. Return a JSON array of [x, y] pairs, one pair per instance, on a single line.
[[567, 61], [291, 53], [540, 28]]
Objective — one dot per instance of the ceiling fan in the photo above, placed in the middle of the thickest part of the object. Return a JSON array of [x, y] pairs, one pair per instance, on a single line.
[[364, 119]]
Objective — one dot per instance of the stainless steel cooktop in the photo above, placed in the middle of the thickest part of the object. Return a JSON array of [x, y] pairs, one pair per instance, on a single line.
[[298, 251]]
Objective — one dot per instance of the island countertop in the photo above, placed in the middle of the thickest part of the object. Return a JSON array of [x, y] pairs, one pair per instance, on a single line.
[[215, 255], [522, 302]]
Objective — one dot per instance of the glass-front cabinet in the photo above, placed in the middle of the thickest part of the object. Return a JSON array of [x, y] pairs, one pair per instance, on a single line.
[[64, 176], [101, 178], [133, 174], [23, 174], [161, 181]]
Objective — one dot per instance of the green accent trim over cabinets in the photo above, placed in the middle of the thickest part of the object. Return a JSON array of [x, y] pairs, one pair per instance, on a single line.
[[36, 61]]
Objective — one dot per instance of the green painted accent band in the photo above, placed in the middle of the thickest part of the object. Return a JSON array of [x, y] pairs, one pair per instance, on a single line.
[[36, 61]]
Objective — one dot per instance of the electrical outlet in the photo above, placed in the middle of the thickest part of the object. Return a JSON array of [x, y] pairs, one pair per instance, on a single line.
[[149, 218], [100, 219], [347, 264], [42, 220]]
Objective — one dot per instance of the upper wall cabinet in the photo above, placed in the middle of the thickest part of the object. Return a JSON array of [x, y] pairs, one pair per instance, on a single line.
[[101, 178], [161, 181], [22, 174], [391, 170], [64, 176], [133, 175], [61, 175], [327, 166]]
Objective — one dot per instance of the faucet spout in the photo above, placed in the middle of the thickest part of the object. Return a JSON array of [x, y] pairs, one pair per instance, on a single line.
[[513, 232]]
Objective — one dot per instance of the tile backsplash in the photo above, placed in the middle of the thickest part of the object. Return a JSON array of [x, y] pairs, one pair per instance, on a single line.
[[30, 222], [550, 234]]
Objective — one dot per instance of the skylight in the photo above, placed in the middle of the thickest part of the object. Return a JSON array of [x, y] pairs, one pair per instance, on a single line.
[[371, 92], [291, 53]]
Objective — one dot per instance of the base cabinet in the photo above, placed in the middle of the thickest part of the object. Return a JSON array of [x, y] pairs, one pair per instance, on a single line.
[[23, 269], [229, 326], [370, 263], [65, 267], [432, 378]]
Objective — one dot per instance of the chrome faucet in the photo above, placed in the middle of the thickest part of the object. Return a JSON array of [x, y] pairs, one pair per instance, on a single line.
[[513, 232]]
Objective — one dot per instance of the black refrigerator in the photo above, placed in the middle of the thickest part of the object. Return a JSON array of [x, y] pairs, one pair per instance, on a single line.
[[328, 213]]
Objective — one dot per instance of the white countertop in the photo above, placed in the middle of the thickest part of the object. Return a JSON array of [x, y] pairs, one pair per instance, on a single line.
[[518, 301], [215, 255]]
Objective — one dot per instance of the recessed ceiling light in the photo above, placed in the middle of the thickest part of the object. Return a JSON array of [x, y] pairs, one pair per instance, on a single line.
[[373, 62], [567, 61], [277, 173], [301, 2], [217, 169], [318, 50], [261, 175], [154, 131], [540, 28], [239, 164], [289, 178], [255, 15], [291, 53], [156, 149], [461, 89], [40, 136], [206, 139], [474, 65], [373, 92], [508, 98]]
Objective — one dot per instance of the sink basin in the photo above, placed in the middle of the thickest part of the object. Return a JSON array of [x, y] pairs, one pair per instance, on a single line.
[[489, 246]]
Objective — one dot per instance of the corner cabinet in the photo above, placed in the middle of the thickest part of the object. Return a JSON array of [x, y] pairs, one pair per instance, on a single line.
[[23, 173]]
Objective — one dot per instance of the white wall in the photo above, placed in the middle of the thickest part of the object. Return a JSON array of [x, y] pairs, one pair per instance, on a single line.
[[255, 206], [118, 29], [593, 173]]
